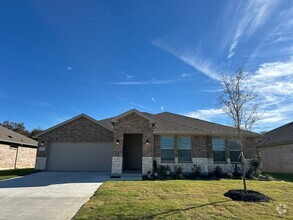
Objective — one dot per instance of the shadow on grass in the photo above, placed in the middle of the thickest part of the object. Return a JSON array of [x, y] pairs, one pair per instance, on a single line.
[[185, 209]]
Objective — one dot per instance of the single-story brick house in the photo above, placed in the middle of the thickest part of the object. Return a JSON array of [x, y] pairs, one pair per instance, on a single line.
[[132, 140], [16, 150], [276, 149]]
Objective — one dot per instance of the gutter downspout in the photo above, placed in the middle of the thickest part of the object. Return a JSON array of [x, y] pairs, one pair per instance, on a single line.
[[16, 157]]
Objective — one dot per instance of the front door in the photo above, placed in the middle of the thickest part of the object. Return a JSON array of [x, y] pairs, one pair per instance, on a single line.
[[132, 152]]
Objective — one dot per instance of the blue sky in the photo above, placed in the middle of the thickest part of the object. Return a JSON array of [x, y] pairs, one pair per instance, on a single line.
[[62, 58]]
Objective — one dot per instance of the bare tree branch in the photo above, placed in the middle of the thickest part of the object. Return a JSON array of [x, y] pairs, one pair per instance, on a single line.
[[239, 102]]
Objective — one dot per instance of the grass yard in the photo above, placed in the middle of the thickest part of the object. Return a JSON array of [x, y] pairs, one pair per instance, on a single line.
[[7, 174], [184, 199]]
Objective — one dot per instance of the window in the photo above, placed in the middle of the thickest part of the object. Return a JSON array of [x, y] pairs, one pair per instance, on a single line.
[[184, 149], [234, 150], [219, 151], [167, 148]]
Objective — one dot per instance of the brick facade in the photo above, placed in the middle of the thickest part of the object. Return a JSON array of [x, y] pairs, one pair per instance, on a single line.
[[25, 159], [277, 158], [83, 129], [202, 153], [79, 130], [133, 124]]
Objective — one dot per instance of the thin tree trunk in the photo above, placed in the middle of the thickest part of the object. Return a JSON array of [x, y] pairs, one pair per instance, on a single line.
[[240, 140], [243, 171]]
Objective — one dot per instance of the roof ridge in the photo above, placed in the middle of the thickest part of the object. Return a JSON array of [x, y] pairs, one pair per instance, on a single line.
[[181, 124], [209, 122], [288, 124]]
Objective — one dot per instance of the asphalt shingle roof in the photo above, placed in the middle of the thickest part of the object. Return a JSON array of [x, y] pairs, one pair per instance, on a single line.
[[172, 123], [11, 137], [279, 136]]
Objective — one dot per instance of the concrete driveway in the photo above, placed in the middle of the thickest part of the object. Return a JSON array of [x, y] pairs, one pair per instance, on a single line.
[[48, 195]]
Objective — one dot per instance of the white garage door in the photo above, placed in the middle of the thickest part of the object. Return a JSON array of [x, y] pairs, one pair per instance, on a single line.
[[89, 156]]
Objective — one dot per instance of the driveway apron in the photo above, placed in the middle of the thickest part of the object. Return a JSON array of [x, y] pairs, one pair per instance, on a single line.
[[48, 195]]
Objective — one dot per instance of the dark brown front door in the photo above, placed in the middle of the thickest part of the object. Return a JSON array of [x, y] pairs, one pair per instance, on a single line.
[[132, 152]]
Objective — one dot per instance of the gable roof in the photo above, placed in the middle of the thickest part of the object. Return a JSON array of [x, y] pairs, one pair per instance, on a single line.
[[151, 120], [166, 123], [8, 136], [170, 123], [205, 126], [278, 136], [72, 119]]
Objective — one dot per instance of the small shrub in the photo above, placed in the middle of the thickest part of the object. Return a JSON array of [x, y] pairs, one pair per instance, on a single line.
[[218, 172], [167, 170], [149, 173], [236, 172], [229, 175], [167, 167], [196, 170], [177, 170], [265, 177], [255, 166], [162, 170], [155, 166]]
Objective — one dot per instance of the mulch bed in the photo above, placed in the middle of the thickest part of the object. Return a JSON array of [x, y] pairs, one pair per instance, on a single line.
[[250, 196]]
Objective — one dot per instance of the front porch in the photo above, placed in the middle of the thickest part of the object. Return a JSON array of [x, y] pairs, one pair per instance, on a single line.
[[133, 147]]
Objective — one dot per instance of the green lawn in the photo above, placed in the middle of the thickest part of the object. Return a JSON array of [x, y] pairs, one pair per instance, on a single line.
[[7, 174], [184, 199], [282, 176]]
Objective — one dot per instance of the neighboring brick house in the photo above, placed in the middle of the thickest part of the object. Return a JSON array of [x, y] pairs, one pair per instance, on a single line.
[[16, 150], [131, 142], [276, 149]]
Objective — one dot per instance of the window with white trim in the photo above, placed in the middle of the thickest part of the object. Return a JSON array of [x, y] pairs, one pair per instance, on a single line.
[[184, 149], [167, 148], [219, 150]]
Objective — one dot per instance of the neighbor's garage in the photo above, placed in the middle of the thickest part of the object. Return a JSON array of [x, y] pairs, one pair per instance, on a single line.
[[92, 156]]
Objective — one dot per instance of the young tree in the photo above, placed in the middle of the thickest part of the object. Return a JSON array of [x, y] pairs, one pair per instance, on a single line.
[[35, 131], [239, 102]]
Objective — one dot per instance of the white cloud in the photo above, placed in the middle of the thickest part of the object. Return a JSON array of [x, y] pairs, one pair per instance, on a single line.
[[207, 114], [273, 80], [134, 104], [185, 75], [153, 81], [162, 108], [153, 99], [273, 83], [191, 58], [129, 76], [250, 15], [69, 68], [212, 90]]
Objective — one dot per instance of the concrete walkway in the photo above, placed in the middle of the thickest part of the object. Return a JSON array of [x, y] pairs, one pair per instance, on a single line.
[[48, 195]]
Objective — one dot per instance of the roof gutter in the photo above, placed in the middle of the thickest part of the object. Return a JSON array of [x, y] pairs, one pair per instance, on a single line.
[[18, 143]]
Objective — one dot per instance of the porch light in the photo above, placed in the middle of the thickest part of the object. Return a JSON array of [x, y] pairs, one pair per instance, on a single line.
[[147, 142], [117, 141], [42, 143]]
